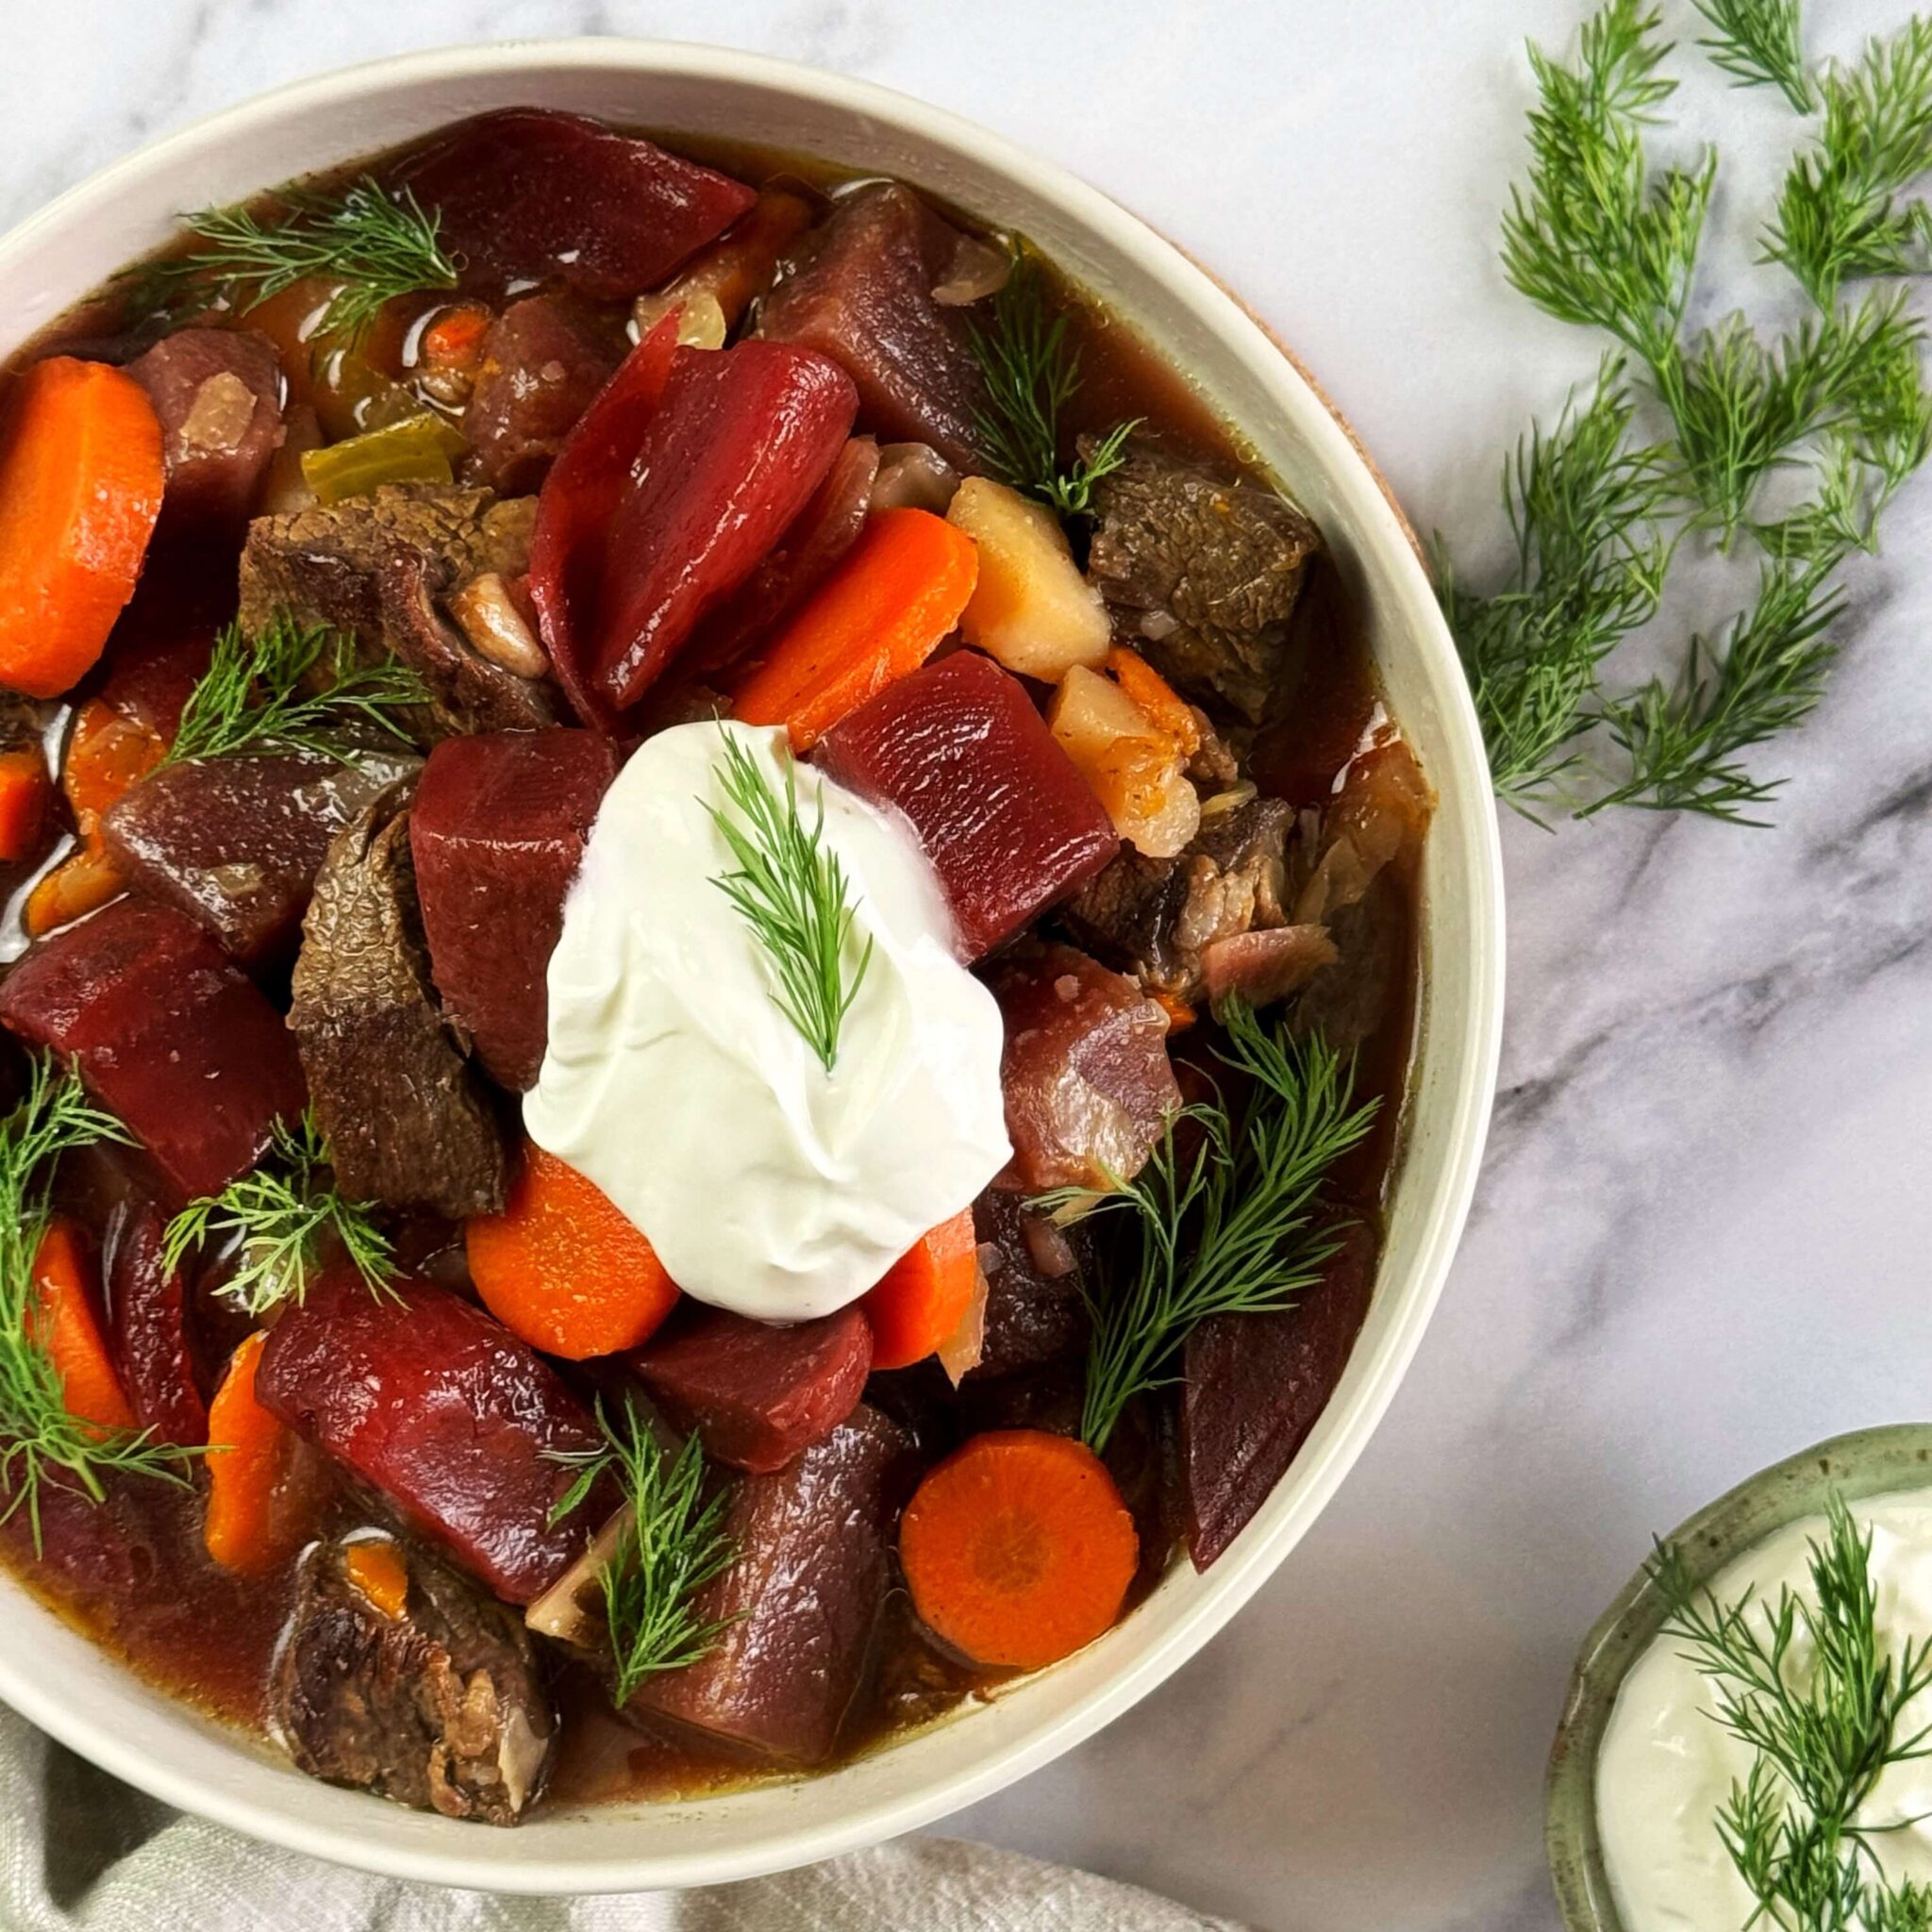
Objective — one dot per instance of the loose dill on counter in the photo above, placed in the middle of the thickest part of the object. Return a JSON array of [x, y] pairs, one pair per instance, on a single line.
[[285, 1217], [295, 686], [373, 243], [1225, 1215], [1758, 43], [1821, 1732], [790, 889], [40, 1440]]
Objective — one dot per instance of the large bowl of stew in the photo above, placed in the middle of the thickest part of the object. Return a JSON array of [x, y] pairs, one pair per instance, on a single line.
[[487, 1346]]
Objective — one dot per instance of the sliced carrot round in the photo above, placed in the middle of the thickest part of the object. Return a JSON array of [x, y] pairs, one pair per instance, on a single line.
[[924, 1294], [1018, 1549], [66, 1325], [564, 1268], [81, 476], [264, 1483]]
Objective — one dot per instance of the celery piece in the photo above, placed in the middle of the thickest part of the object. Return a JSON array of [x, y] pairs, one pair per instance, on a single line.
[[419, 449]]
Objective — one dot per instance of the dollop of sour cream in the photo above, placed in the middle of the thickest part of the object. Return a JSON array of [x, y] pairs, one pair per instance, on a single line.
[[1665, 1765], [764, 1184]]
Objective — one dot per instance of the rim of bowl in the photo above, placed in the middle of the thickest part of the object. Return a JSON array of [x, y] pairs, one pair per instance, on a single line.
[[1253, 1557], [1865, 1462]]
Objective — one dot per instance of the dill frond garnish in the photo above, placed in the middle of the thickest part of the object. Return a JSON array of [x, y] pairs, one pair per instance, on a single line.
[[1758, 43]]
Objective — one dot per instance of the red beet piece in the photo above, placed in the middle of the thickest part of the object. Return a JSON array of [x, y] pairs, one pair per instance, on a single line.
[[741, 440], [530, 196], [1010, 824], [1255, 1385], [540, 364], [167, 1034], [445, 1412], [218, 392], [497, 834], [1085, 1071], [147, 1327], [756, 1392], [803, 1599], [861, 291]]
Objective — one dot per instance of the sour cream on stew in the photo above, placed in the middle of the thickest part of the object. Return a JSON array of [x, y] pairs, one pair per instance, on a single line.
[[1665, 1766], [765, 1184]]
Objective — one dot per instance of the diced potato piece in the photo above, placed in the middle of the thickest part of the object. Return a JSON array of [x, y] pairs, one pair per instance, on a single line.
[[1134, 772], [1032, 609]]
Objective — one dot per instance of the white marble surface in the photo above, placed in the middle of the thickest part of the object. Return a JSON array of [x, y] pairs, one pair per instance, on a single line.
[[1702, 1234]]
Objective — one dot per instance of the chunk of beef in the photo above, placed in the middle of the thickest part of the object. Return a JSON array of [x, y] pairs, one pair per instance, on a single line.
[[804, 1597], [378, 566], [540, 363], [860, 288], [1156, 917], [218, 392], [1201, 574], [406, 1120], [438, 1703], [462, 1426], [235, 843], [1085, 1071], [167, 1033], [1255, 1385], [758, 1393], [498, 832], [1263, 967], [1036, 1306]]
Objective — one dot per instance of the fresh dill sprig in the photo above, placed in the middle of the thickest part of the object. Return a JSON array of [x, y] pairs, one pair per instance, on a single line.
[[296, 687], [1224, 1216], [1840, 216], [1759, 43], [791, 888], [41, 1442], [286, 1217], [1594, 239], [672, 1543], [1032, 371], [1807, 1688], [1586, 512], [373, 243], [1684, 740]]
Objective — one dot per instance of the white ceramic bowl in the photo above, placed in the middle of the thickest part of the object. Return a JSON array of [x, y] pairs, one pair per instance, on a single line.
[[65, 1684]]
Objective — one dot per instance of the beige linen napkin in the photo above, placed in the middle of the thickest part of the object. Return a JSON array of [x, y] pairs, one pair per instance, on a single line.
[[81, 1852]]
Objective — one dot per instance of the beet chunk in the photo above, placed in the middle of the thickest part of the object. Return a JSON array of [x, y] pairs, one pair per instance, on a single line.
[[167, 1034], [445, 1412], [497, 834], [218, 392], [741, 440], [1010, 824], [1036, 1308], [235, 843], [1255, 1385], [526, 194], [804, 1595], [540, 362], [757, 1392], [147, 1327], [860, 291], [1085, 1071]]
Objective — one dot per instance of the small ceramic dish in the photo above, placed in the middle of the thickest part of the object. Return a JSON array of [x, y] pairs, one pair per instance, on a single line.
[[1871, 1462]]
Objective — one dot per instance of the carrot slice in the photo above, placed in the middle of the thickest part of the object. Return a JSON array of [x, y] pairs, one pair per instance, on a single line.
[[454, 339], [66, 1325], [264, 1485], [924, 1294], [1017, 1548], [80, 487], [563, 1268], [23, 794], [108, 753], [78, 885], [1167, 712], [376, 1567], [882, 613]]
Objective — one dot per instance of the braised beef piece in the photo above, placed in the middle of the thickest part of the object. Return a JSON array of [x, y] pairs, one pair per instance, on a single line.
[[378, 566], [1255, 1385], [757, 1394], [1035, 1310], [540, 363], [236, 843], [860, 288], [1201, 575], [218, 392], [439, 1705], [407, 1122], [804, 1596], [1154, 917]]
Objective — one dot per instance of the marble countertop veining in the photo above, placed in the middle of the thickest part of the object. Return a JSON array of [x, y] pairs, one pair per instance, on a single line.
[[1702, 1234]]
